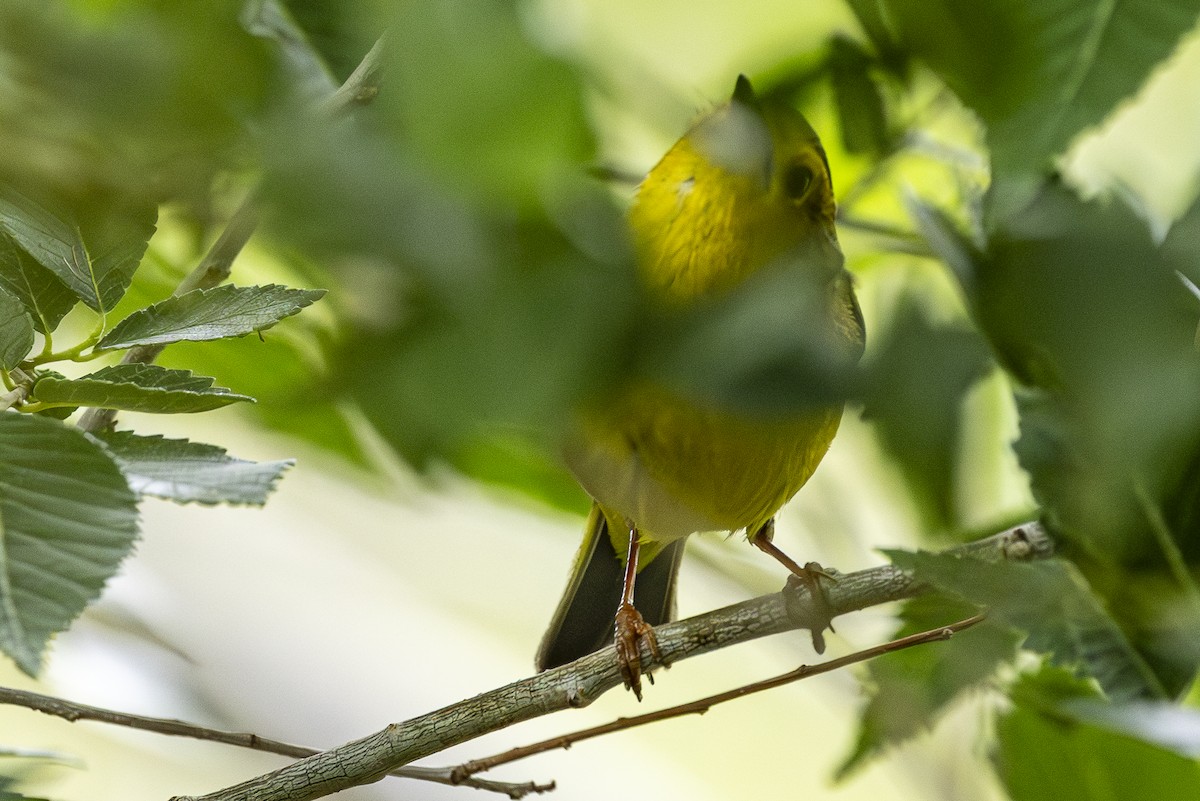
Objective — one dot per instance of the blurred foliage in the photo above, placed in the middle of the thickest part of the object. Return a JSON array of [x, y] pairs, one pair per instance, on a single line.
[[1053, 730], [910, 688], [482, 287]]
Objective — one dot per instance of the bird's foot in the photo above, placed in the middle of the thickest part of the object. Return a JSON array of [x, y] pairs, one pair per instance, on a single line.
[[820, 613], [631, 631]]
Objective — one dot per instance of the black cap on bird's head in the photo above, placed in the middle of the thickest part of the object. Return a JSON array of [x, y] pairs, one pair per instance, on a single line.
[[784, 122], [746, 135], [743, 92]]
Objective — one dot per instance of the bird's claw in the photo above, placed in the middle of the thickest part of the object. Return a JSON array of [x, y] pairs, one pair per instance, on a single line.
[[631, 631]]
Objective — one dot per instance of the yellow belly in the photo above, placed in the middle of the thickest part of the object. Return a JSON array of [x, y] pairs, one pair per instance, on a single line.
[[672, 468]]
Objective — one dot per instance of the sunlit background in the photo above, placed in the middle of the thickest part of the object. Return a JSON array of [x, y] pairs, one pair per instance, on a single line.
[[364, 593]]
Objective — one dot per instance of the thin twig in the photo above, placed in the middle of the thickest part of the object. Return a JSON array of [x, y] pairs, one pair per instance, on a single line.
[[360, 88], [370, 758], [899, 240], [699, 707], [71, 711]]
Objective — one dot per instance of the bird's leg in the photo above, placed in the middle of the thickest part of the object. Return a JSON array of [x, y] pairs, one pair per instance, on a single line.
[[631, 629], [810, 575]]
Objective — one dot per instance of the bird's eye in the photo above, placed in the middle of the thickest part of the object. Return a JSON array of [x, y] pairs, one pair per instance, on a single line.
[[796, 181]]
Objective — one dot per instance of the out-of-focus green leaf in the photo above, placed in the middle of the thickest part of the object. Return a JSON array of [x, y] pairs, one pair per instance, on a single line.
[[306, 76], [479, 101], [1048, 752], [295, 396], [6, 795], [1077, 301], [871, 16], [861, 113], [1168, 726], [768, 348], [1181, 247], [950, 244], [139, 98], [918, 379], [8, 752], [509, 461], [67, 519], [1039, 73], [1080, 305], [1054, 606], [335, 32], [186, 472], [343, 190], [474, 274], [46, 298], [138, 388], [16, 331], [207, 314], [517, 358], [912, 687]]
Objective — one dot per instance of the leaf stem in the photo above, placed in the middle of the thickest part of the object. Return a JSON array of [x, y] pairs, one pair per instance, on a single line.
[[73, 354], [47, 345], [41, 406]]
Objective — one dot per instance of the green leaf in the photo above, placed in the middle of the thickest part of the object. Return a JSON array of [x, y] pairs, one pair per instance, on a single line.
[[860, 107], [137, 388], [95, 255], [116, 231], [513, 463], [308, 78], [1054, 606], [1166, 725], [54, 243], [464, 72], [1050, 751], [911, 688], [16, 331], [918, 380], [1039, 74], [67, 519], [1078, 301], [186, 472], [950, 244], [871, 16], [45, 297], [433, 384], [1181, 247], [207, 314], [745, 352], [59, 757], [201, 83]]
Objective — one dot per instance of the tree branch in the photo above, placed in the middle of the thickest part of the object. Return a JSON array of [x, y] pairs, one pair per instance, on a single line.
[[699, 707], [72, 712], [360, 88], [579, 683]]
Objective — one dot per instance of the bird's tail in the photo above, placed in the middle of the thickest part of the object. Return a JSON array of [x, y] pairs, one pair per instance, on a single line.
[[583, 621]]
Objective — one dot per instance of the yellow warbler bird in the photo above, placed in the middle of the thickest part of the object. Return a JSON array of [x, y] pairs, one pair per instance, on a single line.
[[747, 186]]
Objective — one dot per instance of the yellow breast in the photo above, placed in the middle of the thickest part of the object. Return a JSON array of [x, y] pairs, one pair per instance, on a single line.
[[744, 187]]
